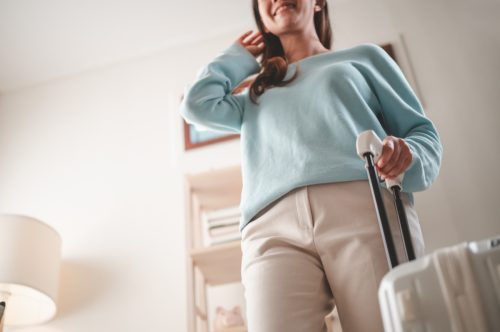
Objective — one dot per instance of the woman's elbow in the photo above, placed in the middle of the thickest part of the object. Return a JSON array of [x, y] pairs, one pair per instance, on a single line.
[[190, 111], [432, 169]]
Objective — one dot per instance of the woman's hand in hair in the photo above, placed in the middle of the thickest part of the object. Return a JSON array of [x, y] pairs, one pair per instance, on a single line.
[[253, 42], [396, 157]]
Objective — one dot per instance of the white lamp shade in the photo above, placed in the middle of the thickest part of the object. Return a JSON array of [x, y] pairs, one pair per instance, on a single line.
[[30, 258]]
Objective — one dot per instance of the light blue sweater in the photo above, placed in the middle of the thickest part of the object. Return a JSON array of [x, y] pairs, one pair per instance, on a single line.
[[305, 132]]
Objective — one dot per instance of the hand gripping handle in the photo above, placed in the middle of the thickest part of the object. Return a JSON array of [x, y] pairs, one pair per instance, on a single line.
[[369, 142]]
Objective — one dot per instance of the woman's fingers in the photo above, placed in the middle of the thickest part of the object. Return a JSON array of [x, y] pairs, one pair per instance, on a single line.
[[253, 42], [387, 152], [396, 157], [393, 152], [258, 39], [403, 165], [244, 36], [260, 46], [250, 37], [398, 168]]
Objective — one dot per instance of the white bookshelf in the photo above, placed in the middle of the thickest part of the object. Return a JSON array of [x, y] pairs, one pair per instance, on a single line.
[[209, 265]]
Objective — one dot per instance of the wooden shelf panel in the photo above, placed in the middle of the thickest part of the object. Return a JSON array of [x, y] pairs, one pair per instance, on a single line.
[[217, 188], [219, 264]]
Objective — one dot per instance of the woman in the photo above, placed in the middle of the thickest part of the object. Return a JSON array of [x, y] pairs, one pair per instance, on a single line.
[[309, 232]]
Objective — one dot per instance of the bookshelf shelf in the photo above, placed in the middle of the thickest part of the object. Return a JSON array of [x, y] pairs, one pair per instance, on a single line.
[[216, 189], [220, 263]]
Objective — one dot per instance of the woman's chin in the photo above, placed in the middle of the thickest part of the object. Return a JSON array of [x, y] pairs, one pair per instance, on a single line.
[[286, 25]]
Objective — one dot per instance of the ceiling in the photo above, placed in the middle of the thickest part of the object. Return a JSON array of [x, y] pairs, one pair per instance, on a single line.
[[45, 40]]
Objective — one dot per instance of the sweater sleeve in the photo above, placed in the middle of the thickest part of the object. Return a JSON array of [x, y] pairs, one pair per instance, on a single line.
[[404, 117], [209, 102]]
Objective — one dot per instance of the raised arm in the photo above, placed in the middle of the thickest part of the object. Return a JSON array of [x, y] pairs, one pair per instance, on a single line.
[[209, 102]]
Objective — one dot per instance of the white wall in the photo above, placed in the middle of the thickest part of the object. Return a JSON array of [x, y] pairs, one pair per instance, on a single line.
[[98, 156], [455, 47]]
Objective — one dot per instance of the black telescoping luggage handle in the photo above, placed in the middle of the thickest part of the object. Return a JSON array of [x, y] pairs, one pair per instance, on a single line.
[[369, 148]]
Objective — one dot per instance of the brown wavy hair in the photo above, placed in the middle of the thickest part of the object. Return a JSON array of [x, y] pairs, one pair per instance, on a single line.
[[274, 65]]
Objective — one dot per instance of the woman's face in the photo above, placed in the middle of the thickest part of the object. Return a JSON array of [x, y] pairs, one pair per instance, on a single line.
[[287, 16]]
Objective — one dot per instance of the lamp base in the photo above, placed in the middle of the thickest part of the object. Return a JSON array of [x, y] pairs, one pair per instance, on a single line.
[[4, 296], [2, 311]]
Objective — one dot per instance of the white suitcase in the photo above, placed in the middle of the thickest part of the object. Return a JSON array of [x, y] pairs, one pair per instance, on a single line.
[[455, 289]]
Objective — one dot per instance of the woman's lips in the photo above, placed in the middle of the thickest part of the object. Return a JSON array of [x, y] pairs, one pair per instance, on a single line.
[[283, 7]]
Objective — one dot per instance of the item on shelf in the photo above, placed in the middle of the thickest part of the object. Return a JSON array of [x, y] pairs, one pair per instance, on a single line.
[[224, 230], [227, 318], [223, 213], [220, 226]]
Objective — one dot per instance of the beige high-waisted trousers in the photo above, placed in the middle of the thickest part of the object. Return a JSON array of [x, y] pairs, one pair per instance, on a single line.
[[316, 247]]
